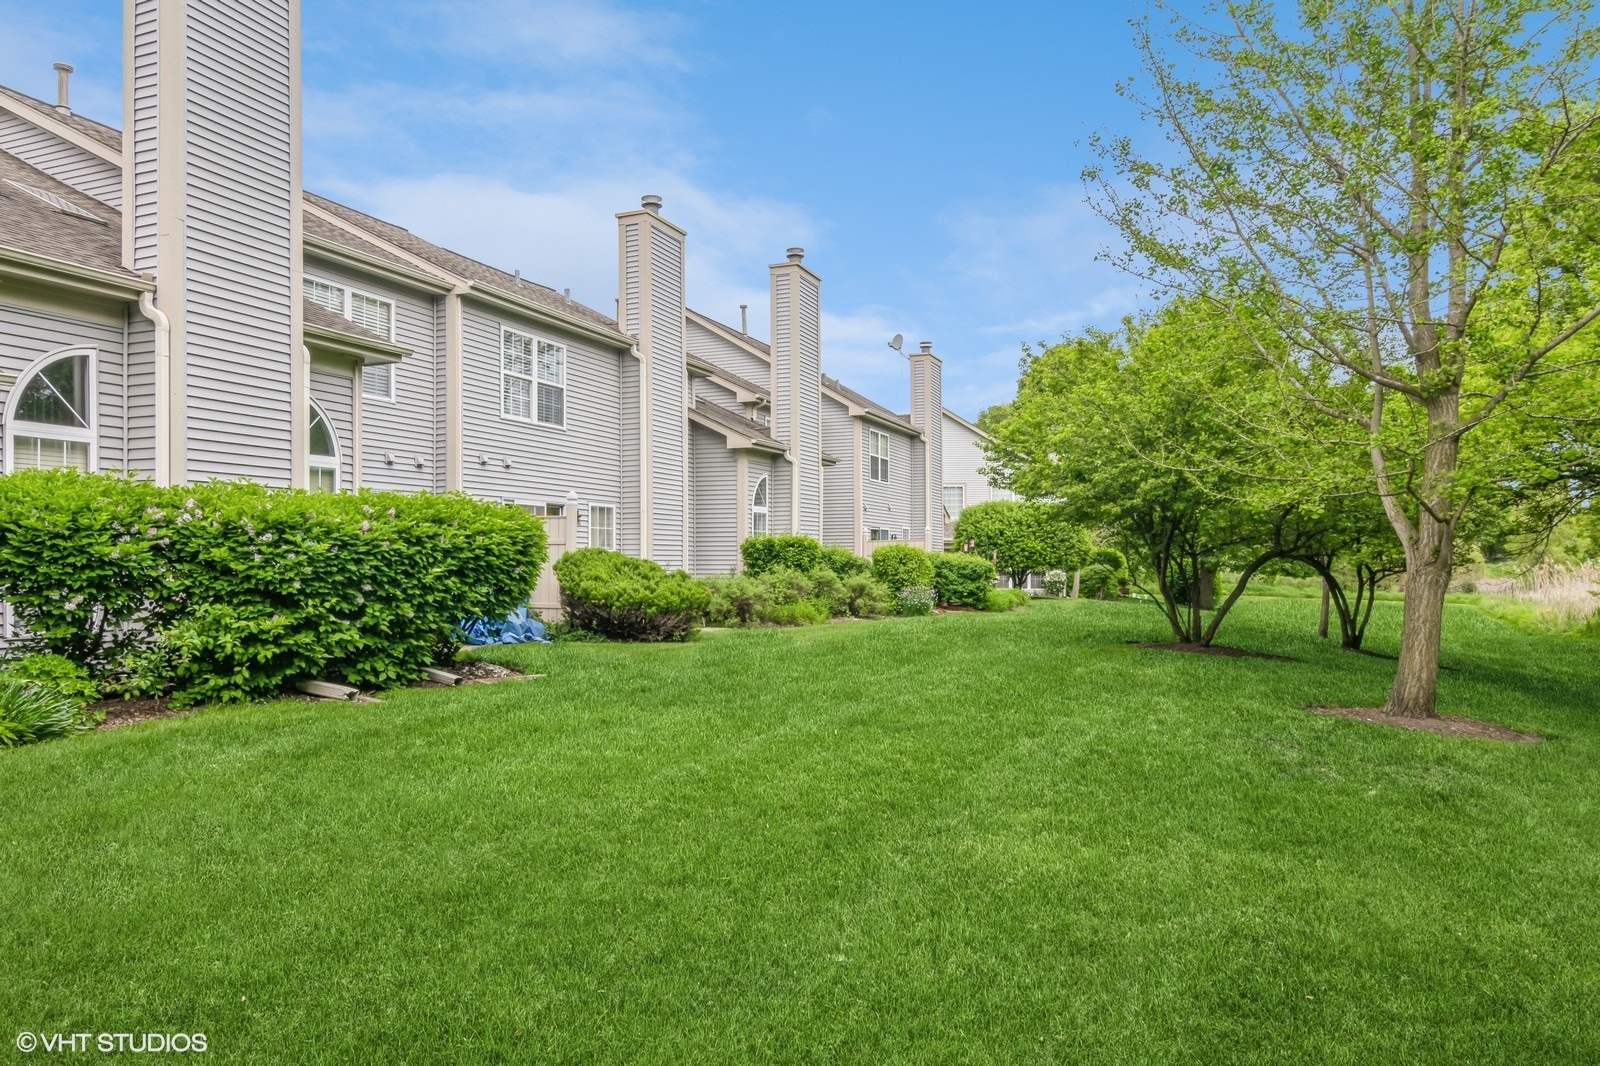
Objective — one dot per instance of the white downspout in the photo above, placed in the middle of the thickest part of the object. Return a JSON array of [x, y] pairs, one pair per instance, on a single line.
[[163, 386]]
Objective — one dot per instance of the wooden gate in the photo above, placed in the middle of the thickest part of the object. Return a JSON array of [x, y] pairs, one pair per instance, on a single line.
[[546, 599]]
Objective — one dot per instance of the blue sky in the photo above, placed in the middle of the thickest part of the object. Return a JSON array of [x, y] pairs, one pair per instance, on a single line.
[[925, 155]]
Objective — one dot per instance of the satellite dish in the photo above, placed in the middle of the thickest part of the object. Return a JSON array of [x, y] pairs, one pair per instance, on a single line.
[[897, 342]]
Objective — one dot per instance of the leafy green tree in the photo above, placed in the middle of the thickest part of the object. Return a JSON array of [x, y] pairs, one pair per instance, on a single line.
[[1157, 437], [1023, 538], [1411, 184]]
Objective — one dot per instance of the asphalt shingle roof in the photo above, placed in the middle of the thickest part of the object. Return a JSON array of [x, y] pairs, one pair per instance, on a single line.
[[714, 412], [461, 266], [34, 225], [99, 131], [861, 401]]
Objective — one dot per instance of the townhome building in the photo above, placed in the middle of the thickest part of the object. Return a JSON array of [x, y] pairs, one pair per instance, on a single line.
[[173, 303]]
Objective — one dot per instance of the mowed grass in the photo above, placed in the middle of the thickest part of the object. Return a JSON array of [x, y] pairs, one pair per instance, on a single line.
[[968, 838]]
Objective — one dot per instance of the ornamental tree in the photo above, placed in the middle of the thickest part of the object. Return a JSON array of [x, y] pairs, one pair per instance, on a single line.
[[1023, 538], [1411, 185]]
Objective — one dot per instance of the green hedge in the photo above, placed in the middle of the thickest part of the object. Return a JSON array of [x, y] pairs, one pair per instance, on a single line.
[[625, 598], [900, 566], [789, 551], [231, 591], [964, 580]]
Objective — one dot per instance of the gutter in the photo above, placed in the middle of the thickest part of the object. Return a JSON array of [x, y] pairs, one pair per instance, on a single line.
[[163, 386], [21, 266]]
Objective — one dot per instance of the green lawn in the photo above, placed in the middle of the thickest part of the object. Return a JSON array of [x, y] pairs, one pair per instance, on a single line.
[[963, 838]]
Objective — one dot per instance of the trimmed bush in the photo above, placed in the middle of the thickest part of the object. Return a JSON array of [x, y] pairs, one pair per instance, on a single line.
[[625, 598], [80, 561], [1109, 557], [56, 673], [964, 580], [898, 566], [243, 589], [844, 562], [30, 713], [767, 552], [1099, 582], [736, 599], [1005, 599], [866, 597], [916, 600]]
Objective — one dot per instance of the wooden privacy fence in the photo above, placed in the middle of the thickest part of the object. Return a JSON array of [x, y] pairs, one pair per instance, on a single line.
[[561, 531]]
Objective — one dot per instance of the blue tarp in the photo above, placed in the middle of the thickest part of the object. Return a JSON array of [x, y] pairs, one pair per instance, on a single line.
[[518, 627]]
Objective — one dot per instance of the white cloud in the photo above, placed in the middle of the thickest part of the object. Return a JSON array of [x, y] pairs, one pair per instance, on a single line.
[[543, 32]]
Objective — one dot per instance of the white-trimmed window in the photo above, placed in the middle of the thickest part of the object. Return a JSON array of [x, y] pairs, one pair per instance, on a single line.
[[758, 508], [533, 379], [880, 455], [373, 313], [324, 448], [50, 419], [878, 533], [955, 498], [603, 527]]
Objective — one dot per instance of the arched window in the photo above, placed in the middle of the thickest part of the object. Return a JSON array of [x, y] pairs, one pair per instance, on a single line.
[[324, 453], [758, 508], [50, 420]]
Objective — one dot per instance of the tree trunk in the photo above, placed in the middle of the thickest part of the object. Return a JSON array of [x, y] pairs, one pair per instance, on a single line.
[[1076, 574], [1322, 622], [1418, 672]]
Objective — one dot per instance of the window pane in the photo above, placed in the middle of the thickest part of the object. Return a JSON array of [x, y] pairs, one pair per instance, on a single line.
[[552, 363], [377, 381], [321, 436], [517, 399], [58, 395], [324, 479], [45, 453], [552, 404], [602, 527], [329, 296], [372, 313], [516, 354], [954, 499], [761, 493]]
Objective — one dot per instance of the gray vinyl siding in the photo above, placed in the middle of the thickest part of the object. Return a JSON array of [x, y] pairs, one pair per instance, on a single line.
[[409, 428], [724, 353], [927, 413], [632, 279], [839, 518], [668, 423], [61, 159], [887, 504], [963, 458], [240, 279], [628, 518], [28, 333], [807, 444], [714, 503], [140, 142], [547, 462], [332, 387], [141, 393], [711, 392]]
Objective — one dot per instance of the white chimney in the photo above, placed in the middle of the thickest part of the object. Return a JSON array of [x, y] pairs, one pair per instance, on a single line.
[[927, 414], [797, 385]]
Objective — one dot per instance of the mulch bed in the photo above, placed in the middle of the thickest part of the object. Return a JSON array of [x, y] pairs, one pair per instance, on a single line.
[[128, 712], [478, 670], [1211, 649], [1447, 724]]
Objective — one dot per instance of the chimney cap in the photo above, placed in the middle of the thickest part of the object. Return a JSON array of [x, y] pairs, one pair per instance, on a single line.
[[926, 346], [61, 68], [796, 254], [651, 203]]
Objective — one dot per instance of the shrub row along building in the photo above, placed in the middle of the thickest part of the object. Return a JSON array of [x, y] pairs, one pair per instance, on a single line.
[[172, 302]]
